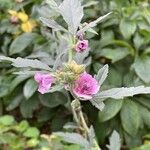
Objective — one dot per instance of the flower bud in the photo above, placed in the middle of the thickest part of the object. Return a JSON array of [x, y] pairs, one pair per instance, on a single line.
[[81, 46]]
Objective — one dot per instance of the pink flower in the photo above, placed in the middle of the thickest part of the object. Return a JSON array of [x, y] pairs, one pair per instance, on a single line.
[[86, 86], [44, 81], [14, 19], [81, 46]]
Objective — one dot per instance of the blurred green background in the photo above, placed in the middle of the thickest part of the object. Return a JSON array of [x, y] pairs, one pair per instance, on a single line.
[[123, 41]]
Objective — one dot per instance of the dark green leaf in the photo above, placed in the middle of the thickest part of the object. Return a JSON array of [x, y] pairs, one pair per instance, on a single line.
[[130, 117], [127, 28], [28, 106], [142, 68], [29, 88], [112, 107], [21, 42], [53, 99]]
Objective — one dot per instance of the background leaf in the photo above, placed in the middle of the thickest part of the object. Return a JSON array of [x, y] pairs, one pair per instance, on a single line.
[[111, 108], [22, 42], [130, 117], [29, 88]]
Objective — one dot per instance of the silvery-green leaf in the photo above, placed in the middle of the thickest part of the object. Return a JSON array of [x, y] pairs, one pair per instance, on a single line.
[[23, 63], [115, 141], [26, 72], [92, 31], [51, 24], [120, 93], [102, 74], [80, 57], [55, 88], [88, 4], [4, 58], [99, 105], [75, 139], [70, 125], [59, 60], [93, 23], [52, 3], [72, 12]]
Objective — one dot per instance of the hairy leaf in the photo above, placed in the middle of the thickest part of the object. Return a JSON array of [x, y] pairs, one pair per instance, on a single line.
[[99, 105], [51, 24], [102, 75], [74, 138], [93, 23], [114, 141], [72, 12], [120, 93], [24, 63]]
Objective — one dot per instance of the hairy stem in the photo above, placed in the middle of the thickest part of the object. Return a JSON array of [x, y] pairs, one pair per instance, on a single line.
[[80, 120]]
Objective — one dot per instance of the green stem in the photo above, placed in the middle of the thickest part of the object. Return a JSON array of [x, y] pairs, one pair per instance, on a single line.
[[79, 118], [70, 55]]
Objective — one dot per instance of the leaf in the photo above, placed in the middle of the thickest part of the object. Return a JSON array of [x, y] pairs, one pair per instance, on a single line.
[[93, 23], [6, 120], [88, 4], [28, 106], [15, 101], [142, 147], [72, 12], [130, 117], [127, 28], [51, 24], [29, 88], [110, 110], [53, 99], [31, 132], [115, 141], [22, 126], [145, 114], [74, 138], [81, 57], [45, 114], [120, 93], [21, 42], [99, 105], [142, 68], [24, 63], [102, 74], [114, 54], [92, 139], [52, 4]]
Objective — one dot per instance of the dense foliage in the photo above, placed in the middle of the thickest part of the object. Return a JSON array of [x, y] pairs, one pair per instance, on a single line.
[[122, 41]]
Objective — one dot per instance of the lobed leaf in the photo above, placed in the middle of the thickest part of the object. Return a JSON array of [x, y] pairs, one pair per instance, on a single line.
[[120, 93], [74, 138], [102, 74], [115, 141], [51, 24], [72, 12], [93, 23], [24, 63]]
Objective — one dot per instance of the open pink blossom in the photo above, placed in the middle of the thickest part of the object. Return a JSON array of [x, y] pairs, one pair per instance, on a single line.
[[86, 86], [81, 46], [44, 81]]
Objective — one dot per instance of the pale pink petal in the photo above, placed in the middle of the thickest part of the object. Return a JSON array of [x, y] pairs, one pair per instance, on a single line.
[[38, 77], [82, 96]]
